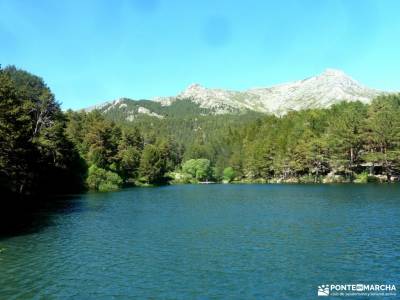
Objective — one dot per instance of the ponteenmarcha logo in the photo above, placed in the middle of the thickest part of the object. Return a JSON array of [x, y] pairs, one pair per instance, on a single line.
[[357, 290], [323, 290]]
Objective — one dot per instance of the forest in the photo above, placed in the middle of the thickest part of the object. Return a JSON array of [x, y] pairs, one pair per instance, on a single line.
[[44, 150]]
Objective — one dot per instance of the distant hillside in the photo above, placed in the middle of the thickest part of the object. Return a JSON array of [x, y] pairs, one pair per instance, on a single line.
[[131, 110]]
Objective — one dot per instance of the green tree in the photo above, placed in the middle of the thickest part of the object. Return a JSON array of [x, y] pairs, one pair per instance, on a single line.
[[383, 134], [130, 146], [129, 163], [345, 134], [16, 147], [199, 169], [35, 156], [100, 141], [103, 180], [152, 165]]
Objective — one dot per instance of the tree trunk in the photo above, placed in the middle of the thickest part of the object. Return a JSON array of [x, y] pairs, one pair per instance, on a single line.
[[351, 156]]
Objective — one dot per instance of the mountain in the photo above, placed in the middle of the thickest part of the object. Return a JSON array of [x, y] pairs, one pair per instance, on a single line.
[[330, 87]]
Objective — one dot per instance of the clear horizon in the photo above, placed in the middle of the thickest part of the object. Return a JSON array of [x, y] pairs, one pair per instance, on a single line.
[[97, 51]]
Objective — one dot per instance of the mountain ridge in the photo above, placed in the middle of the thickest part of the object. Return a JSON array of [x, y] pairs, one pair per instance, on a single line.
[[323, 90], [320, 91]]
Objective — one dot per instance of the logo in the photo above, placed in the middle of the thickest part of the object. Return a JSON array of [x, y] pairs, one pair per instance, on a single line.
[[358, 289], [323, 290]]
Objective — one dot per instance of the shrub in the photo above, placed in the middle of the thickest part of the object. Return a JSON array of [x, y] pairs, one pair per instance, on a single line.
[[103, 180], [229, 174], [361, 178], [199, 169], [364, 177]]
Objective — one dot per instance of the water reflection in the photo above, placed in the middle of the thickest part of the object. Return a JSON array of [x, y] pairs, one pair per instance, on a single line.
[[21, 218], [215, 241]]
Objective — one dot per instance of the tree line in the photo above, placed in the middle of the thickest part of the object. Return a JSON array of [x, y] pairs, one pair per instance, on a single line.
[[349, 141], [344, 142]]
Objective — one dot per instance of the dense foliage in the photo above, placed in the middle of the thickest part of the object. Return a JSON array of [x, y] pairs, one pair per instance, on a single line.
[[334, 144], [35, 153], [44, 149], [199, 169], [119, 155]]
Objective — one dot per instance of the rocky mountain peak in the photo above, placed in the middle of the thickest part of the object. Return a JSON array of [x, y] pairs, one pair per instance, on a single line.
[[194, 86], [320, 91], [323, 90], [193, 90]]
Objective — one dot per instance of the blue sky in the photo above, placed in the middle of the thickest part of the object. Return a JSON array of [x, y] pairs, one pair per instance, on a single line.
[[92, 51]]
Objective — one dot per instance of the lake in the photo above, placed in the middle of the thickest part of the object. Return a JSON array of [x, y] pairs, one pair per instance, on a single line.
[[206, 242]]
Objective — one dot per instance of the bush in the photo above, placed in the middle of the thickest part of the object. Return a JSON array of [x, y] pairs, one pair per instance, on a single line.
[[229, 174], [361, 178], [364, 177], [181, 178], [102, 180], [200, 169]]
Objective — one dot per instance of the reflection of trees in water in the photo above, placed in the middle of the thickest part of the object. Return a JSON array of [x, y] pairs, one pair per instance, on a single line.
[[28, 216]]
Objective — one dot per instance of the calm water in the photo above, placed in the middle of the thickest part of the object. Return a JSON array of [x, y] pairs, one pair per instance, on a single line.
[[207, 242]]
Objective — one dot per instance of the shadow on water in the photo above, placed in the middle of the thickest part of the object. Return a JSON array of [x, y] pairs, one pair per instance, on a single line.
[[27, 216]]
